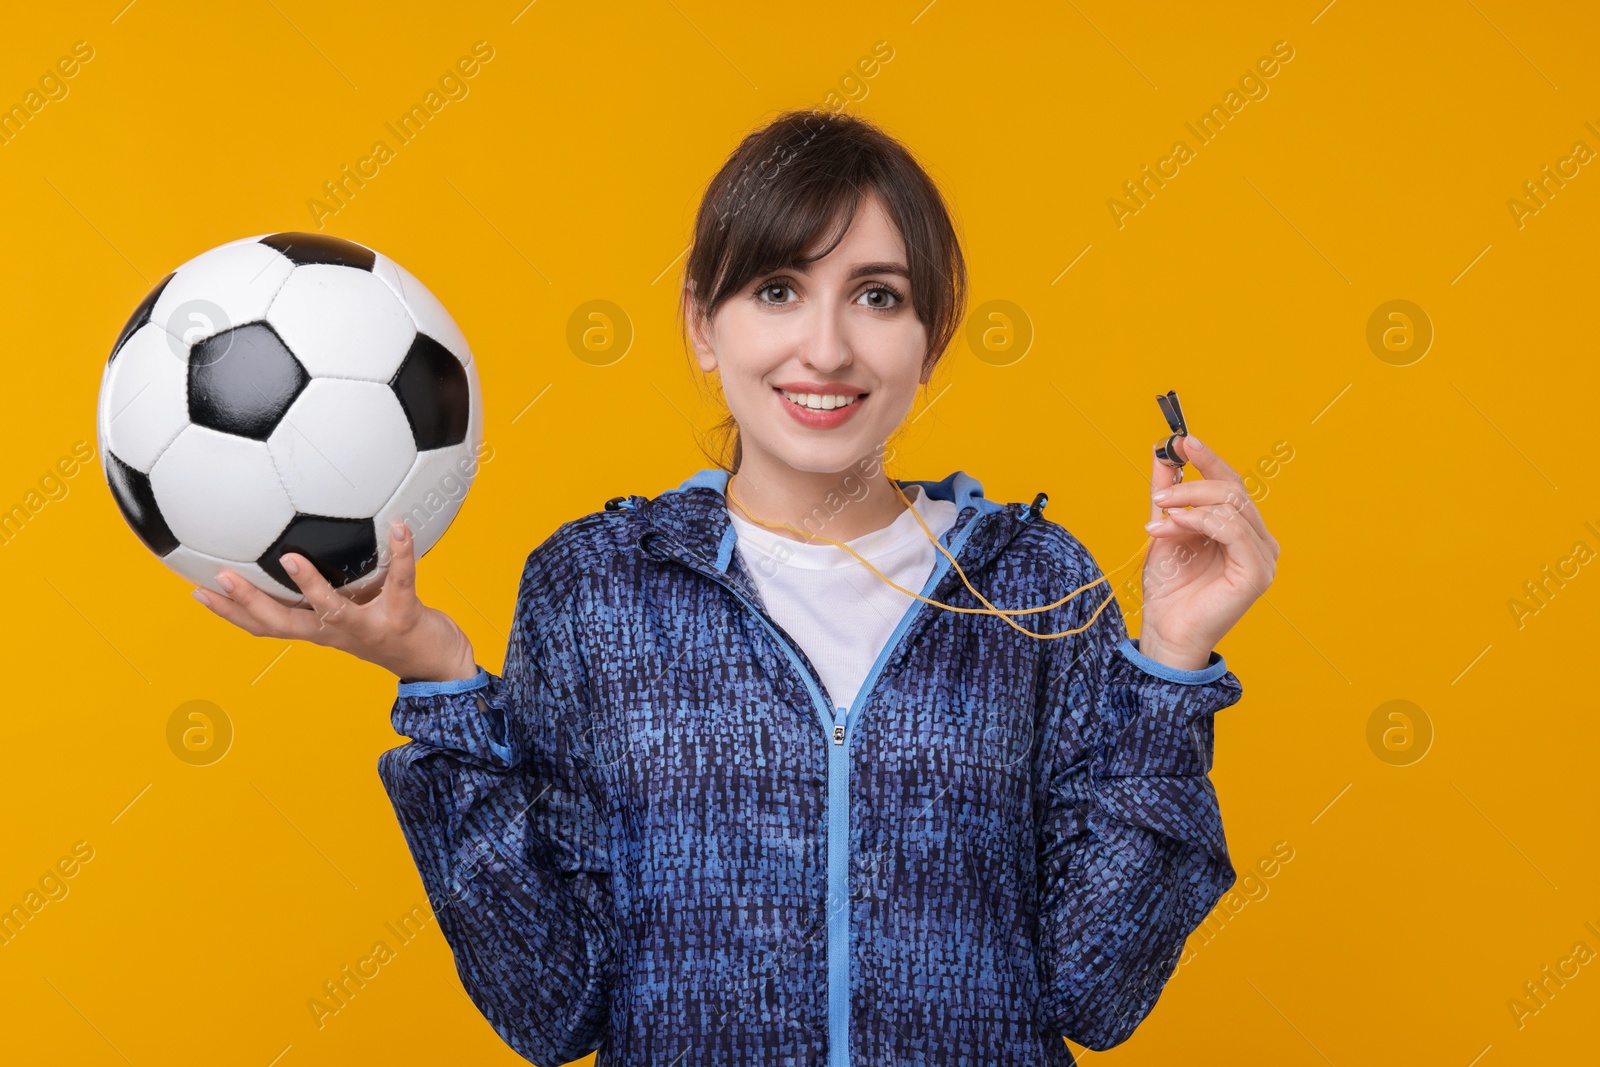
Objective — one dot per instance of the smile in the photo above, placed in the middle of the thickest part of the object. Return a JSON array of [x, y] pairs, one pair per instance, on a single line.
[[819, 411], [814, 402]]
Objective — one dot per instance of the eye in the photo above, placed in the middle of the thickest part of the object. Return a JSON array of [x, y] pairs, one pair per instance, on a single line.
[[884, 291], [767, 289]]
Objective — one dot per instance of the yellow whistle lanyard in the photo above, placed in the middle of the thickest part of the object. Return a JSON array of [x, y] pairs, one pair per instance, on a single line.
[[988, 608]]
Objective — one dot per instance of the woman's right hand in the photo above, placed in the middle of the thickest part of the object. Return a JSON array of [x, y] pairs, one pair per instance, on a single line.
[[392, 629]]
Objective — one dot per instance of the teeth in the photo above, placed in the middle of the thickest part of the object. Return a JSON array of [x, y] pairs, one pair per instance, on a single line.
[[820, 403]]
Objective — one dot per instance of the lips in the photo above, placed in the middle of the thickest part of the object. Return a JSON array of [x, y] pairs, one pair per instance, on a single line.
[[821, 410], [820, 401]]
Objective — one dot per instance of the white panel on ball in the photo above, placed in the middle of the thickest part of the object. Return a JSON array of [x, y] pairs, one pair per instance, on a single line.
[[202, 569], [220, 494], [220, 289], [341, 322], [342, 447], [426, 310], [429, 497], [144, 401]]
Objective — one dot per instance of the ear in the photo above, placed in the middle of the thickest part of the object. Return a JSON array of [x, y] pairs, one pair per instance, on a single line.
[[927, 372], [704, 354]]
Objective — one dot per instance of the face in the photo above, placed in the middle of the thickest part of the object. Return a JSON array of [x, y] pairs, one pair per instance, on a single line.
[[820, 366]]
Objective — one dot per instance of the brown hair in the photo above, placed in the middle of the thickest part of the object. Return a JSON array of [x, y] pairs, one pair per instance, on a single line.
[[782, 189]]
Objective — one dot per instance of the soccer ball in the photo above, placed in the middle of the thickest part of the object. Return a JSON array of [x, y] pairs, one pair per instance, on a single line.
[[289, 392]]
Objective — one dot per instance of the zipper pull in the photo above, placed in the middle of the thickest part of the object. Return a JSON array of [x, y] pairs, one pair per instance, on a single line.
[[839, 717]]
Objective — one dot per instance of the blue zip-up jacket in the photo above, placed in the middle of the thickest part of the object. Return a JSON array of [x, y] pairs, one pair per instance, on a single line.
[[656, 836]]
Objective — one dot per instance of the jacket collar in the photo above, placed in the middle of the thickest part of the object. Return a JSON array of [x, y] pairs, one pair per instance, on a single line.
[[691, 524]]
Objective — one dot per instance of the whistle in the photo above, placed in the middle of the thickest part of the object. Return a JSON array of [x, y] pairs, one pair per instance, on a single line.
[[1170, 451]]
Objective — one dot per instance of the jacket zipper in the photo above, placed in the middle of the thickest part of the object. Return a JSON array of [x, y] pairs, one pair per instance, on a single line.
[[838, 910], [837, 729]]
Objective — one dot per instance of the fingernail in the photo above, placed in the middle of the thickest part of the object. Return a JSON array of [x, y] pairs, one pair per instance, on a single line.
[[1161, 494], [198, 595], [288, 564], [1194, 442], [400, 530], [1154, 525], [225, 582]]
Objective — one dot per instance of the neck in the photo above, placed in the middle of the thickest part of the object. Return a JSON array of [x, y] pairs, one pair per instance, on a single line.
[[839, 505]]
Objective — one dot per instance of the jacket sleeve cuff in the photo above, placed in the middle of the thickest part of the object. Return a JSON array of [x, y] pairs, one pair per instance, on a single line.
[[1158, 719], [1213, 669], [460, 685], [466, 716]]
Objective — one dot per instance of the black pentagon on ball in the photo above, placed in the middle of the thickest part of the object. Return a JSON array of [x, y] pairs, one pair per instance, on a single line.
[[432, 387], [131, 490], [342, 550], [307, 248], [242, 380], [140, 316]]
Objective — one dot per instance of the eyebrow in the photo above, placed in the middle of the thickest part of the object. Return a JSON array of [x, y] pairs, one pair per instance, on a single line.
[[861, 270]]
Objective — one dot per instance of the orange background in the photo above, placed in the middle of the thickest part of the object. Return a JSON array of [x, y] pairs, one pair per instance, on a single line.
[[1422, 893]]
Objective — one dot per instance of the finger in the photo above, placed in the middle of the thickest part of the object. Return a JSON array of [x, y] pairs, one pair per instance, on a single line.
[[258, 613], [400, 584], [1207, 462], [1232, 531], [230, 610], [331, 607], [1161, 476], [1217, 491]]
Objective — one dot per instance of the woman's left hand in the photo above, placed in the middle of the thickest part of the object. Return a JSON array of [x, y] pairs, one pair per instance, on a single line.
[[1212, 557]]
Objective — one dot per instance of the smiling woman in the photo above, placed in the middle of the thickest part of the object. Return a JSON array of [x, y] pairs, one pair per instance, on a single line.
[[683, 869], [748, 792]]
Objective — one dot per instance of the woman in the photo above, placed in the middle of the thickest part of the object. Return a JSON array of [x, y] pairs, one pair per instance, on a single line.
[[737, 799]]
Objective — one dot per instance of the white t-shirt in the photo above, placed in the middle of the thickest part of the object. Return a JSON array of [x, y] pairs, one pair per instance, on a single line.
[[839, 612]]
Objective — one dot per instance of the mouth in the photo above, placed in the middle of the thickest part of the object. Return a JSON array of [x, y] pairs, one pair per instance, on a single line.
[[821, 411], [820, 401]]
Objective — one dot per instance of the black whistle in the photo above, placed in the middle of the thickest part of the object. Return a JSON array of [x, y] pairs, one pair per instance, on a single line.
[[1170, 451]]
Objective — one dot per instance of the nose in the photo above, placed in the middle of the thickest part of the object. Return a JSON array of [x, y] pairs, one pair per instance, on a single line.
[[823, 341]]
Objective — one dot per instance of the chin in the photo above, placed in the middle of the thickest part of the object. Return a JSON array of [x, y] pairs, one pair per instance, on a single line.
[[832, 458]]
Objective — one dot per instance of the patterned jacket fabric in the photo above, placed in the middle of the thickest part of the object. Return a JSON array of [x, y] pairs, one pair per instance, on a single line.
[[655, 835]]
